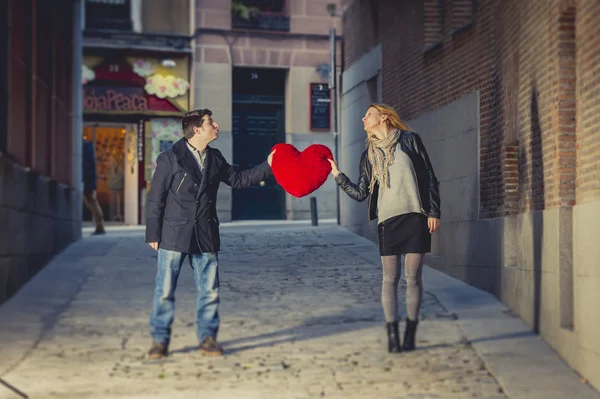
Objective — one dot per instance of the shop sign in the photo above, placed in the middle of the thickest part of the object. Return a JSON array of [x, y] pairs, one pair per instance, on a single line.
[[114, 99]]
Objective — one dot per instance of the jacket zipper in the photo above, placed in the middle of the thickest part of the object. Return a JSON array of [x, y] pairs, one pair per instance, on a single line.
[[181, 182], [369, 208]]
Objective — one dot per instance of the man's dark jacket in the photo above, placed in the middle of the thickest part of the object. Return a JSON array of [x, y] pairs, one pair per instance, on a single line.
[[428, 185], [181, 210]]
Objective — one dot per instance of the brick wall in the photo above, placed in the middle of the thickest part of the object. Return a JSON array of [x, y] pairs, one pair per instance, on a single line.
[[528, 59], [310, 16], [37, 198], [303, 48], [39, 88], [360, 28], [166, 16], [273, 52], [588, 110], [306, 16]]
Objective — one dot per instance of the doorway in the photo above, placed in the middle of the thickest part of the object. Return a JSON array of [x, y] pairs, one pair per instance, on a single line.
[[258, 124], [115, 147]]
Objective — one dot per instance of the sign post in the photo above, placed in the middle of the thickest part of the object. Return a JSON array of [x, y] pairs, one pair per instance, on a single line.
[[333, 85], [320, 107]]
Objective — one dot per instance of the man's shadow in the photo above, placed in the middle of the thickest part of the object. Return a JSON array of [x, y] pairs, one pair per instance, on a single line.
[[348, 321], [312, 328]]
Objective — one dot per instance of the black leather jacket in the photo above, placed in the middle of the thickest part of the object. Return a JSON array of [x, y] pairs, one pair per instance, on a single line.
[[411, 144]]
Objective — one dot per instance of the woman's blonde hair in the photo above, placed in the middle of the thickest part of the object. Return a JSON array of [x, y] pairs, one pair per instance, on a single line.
[[392, 121], [381, 151]]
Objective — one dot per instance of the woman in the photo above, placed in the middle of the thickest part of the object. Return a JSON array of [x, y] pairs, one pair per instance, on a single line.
[[397, 176]]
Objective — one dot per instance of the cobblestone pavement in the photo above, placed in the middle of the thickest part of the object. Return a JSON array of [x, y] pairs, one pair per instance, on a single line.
[[300, 318]]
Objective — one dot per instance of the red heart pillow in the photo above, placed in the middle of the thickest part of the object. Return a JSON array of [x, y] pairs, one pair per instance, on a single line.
[[301, 173]]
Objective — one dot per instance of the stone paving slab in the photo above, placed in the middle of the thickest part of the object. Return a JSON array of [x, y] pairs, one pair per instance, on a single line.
[[301, 318]]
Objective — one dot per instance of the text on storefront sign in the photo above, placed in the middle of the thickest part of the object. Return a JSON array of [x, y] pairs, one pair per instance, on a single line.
[[114, 99]]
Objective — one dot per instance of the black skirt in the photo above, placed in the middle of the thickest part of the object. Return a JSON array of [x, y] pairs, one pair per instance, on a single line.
[[404, 234]]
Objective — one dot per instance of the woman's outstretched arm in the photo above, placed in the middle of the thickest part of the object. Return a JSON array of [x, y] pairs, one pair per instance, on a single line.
[[358, 192]]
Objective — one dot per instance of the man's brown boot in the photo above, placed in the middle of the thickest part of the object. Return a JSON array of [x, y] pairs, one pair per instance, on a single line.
[[158, 351], [211, 347]]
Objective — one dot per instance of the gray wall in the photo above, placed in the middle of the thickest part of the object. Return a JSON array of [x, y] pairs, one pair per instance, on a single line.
[[584, 350], [37, 219], [299, 208], [464, 247], [362, 86], [451, 137], [543, 265]]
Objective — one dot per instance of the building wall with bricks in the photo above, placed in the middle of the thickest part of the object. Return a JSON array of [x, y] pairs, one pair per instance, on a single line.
[[40, 201], [302, 52], [506, 97]]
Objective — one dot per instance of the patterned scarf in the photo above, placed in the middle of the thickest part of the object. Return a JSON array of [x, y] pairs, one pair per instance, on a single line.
[[381, 156]]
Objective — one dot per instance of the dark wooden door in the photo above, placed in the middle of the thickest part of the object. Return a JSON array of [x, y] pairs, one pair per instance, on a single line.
[[256, 129]]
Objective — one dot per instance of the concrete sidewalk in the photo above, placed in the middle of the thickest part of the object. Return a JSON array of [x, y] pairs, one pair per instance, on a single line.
[[301, 318]]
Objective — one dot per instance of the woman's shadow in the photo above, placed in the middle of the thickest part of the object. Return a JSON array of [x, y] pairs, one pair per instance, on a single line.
[[313, 328], [347, 321]]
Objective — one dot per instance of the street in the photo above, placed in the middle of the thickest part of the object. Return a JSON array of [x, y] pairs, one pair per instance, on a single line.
[[300, 318]]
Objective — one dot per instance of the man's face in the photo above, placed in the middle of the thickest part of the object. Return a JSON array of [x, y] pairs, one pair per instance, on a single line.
[[209, 130]]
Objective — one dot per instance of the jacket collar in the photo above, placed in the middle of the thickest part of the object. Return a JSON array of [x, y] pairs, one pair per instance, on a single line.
[[187, 161]]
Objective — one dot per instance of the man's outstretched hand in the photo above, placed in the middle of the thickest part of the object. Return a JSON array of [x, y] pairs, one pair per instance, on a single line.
[[270, 158]]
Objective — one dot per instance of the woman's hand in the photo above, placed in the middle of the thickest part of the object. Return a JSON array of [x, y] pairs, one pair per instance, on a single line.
[[334, 168], [433, 224]]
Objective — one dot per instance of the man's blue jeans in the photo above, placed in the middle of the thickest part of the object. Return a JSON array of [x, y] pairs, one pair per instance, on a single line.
[[206, 274]]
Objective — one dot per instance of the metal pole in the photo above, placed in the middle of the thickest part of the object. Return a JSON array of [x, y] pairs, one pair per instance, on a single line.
[[336, 146], [333, 85], [313, 211], [77, 117]]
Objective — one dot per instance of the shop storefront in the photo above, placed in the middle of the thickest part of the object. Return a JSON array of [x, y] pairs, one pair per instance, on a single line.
[[132, 108]]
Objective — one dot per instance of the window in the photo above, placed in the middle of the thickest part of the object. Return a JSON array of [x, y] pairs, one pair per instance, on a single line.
[[259, 15], [165, 145], [108, 14], [463, 15], [270, 6], [434, 24]]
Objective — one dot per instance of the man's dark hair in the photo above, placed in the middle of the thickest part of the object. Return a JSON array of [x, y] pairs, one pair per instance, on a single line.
[[193, 119]]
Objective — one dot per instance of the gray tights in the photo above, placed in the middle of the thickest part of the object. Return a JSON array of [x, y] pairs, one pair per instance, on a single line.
[[413, 271]]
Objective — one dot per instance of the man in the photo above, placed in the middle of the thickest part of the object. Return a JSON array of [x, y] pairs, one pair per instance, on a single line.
[[182, 223], [89, 186]]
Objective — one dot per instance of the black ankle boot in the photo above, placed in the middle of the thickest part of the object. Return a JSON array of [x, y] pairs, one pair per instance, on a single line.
[[393, 337], [409, 335]]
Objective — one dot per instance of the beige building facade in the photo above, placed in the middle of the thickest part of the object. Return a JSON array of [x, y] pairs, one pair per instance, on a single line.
[[262, 67], [136, 65]]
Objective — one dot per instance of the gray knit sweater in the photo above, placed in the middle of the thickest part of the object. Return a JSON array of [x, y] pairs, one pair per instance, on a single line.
[[403, 194]]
